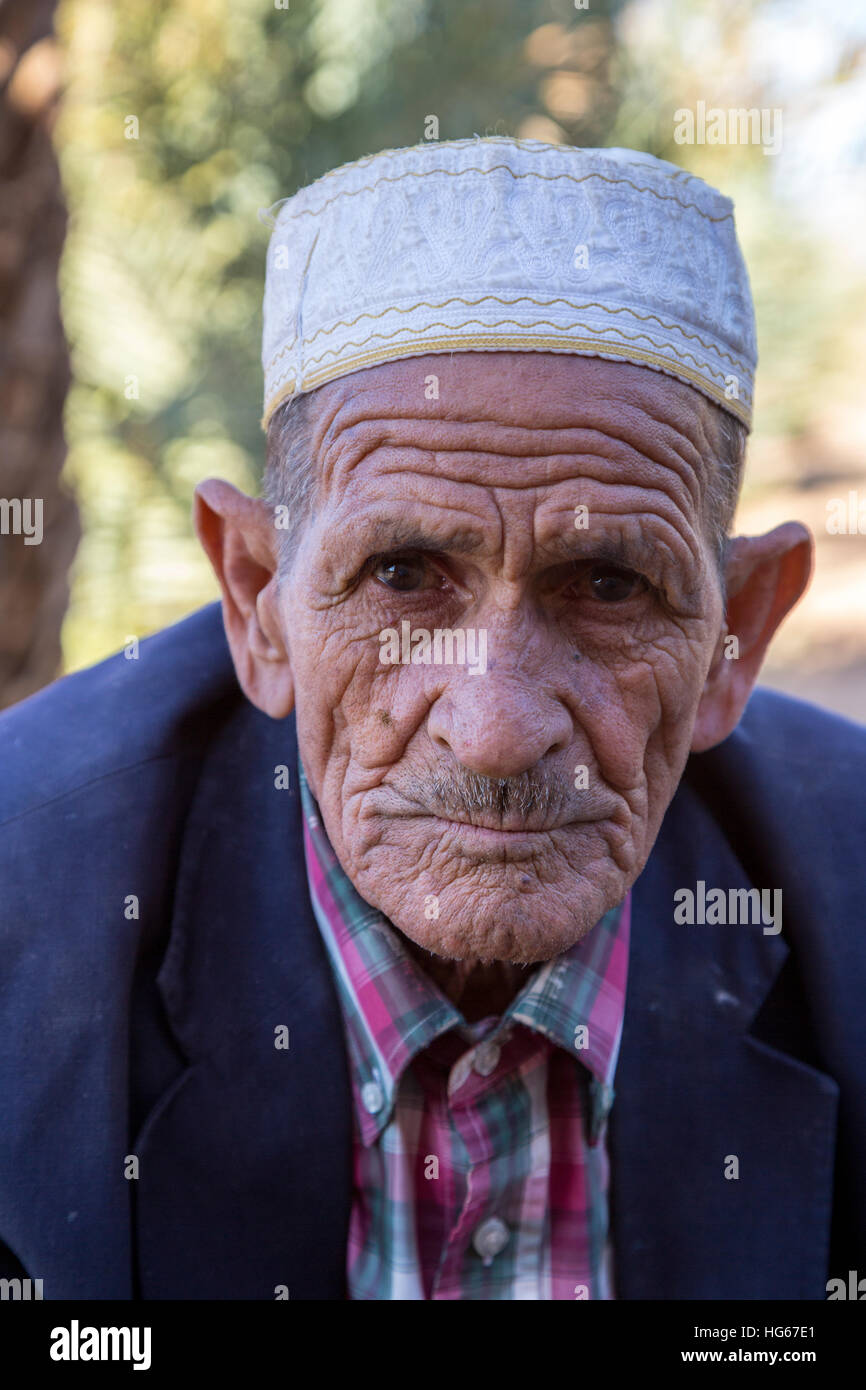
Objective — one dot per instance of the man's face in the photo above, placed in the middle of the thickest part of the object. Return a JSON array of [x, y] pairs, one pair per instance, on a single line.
[[497, 815]]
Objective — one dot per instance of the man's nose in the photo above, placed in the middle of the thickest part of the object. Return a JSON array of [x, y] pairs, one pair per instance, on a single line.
[[499, 725]]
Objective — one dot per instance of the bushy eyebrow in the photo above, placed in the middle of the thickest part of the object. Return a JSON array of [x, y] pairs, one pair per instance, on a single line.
[[386, 535], [628, 552]]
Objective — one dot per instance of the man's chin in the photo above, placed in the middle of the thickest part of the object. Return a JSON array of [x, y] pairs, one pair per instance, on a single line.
[[519, 896], [520, 923]]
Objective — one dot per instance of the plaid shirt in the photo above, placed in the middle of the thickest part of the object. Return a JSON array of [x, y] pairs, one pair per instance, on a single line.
[[480, 1167]]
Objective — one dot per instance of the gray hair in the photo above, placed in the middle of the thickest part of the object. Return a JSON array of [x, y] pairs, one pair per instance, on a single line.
[[725, 481], [290, 471], [290, 474]]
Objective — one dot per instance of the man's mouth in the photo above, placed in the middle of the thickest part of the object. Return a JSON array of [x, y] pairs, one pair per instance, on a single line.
[[513, 841], [513, 824], [502, 825]]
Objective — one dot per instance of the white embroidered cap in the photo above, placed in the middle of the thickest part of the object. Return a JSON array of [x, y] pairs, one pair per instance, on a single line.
[[497, 244]]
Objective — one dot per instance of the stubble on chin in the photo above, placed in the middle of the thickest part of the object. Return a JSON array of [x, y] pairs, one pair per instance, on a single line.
[[469, 906]]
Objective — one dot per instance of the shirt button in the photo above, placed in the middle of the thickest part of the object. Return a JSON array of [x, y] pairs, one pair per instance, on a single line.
[[487, 1058], [372, 1098], [460, 1073], [490, 1237]]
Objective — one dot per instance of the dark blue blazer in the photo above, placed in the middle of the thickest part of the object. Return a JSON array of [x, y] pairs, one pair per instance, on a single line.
[[153, 1035]]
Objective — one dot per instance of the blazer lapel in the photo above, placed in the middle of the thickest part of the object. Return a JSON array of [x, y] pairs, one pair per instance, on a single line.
[[701, 1092], [245, 1163]]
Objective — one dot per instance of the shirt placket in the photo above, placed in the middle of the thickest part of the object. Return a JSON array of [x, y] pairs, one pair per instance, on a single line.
[[465, 1091], [491, 1186]]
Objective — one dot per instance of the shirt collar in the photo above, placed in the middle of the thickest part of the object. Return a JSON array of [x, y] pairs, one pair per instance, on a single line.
[[578, 999], [392, 1010]]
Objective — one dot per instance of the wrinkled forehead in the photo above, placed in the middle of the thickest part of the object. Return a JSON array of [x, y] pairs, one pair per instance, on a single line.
[[512, 404]]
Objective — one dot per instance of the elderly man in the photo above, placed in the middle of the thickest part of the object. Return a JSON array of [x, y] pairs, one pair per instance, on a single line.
[[456, 924]]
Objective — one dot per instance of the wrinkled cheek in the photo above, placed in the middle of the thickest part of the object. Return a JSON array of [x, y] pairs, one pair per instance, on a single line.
[[678, 683], [639, 721], [325, 676], [347, 712], [618, 714]]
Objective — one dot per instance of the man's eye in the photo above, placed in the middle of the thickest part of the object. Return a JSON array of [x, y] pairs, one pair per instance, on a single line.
[[401, 572], [611, 584]]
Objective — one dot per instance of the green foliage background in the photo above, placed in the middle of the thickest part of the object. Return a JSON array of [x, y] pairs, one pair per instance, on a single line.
[[233, 104]]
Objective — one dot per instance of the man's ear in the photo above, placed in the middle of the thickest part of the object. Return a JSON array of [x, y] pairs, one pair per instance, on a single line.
[[765, 576], [241, 543]]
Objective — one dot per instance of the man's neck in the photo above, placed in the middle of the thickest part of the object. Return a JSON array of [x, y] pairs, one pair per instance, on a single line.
[[477, 988]]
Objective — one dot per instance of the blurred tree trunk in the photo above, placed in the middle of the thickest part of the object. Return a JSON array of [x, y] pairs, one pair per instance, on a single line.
[[34, 362]]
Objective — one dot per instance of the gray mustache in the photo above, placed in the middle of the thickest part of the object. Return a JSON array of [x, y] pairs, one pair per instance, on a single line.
[[474, 794]]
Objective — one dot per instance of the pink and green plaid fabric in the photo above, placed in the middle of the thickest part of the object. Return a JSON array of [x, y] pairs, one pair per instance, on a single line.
[[480, 1165]]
